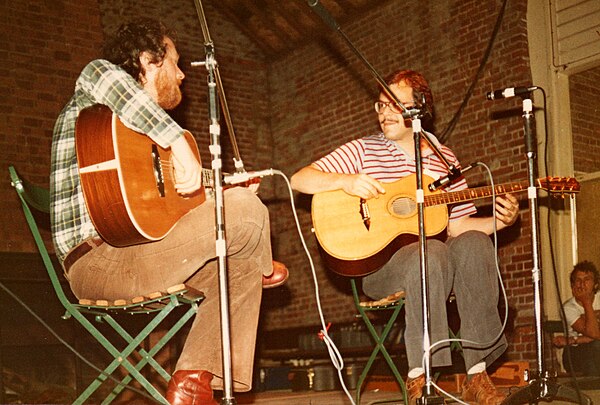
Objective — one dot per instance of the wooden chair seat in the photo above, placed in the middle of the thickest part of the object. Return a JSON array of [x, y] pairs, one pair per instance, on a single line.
[[391, 300], [144, 303]]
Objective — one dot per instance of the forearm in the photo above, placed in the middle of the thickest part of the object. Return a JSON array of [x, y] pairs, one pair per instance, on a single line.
[[105, 83], [591, 328], [310, 180]]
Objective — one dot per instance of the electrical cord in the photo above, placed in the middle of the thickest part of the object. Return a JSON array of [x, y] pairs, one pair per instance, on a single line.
[[71, 348], [445, 135], [502, 288], [334, 353], [563, 317]]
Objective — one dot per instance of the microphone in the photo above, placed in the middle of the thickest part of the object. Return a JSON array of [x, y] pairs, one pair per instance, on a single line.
[[454, 174], [509, 92], [324, 14], [238, 178]]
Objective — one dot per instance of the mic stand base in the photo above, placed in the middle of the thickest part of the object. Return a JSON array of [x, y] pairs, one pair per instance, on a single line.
[[546, 389], [431, 400]]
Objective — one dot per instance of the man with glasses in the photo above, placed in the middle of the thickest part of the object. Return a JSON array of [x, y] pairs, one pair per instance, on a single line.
[[463, 263]]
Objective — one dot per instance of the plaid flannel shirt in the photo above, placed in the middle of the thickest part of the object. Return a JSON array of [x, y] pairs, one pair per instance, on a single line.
[[100, 82]]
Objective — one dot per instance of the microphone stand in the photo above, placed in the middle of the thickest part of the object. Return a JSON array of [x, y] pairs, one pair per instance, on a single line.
[[429, 394], [220, 242], [542, 384], [415, 114], [237, 160]]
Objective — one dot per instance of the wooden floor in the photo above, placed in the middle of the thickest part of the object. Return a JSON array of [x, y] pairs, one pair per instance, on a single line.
[[318, 398], [380, 397]]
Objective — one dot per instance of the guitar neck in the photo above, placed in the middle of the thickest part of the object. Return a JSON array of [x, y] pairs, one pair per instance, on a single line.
[[474, 193]]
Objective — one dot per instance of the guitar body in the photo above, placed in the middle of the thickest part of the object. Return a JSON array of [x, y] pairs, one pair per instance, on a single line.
[[353, 249], [357, 236], [127, 180]]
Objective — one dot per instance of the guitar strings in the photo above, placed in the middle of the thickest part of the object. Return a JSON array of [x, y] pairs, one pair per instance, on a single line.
[[166, 167]]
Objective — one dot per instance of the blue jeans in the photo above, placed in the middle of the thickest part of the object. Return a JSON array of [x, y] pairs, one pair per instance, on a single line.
[[464, 264]]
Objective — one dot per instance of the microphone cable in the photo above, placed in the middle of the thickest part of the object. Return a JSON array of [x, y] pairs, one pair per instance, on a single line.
[[502, 289], [334, 353]]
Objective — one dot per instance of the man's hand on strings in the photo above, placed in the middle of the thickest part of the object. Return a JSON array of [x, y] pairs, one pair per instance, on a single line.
[[507, 210], [362, 185], [187, 169]]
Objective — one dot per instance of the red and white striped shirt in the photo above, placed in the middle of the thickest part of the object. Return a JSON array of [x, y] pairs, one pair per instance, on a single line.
[[383, 160]]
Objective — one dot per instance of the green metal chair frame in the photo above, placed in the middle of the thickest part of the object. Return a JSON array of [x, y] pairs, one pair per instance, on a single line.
[[379, 338], [36, 197]]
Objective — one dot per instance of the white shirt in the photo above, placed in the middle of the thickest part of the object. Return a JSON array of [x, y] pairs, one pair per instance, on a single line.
[[574, 310]]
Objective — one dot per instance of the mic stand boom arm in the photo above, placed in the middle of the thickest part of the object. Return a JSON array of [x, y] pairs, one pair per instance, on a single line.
[[408, 114], [429, 395], [239, 165]]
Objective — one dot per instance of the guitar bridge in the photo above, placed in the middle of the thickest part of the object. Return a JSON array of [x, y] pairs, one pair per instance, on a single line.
[[364, 213]]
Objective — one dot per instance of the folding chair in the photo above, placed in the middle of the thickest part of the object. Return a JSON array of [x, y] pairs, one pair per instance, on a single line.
[[394, 303], [157, 306]]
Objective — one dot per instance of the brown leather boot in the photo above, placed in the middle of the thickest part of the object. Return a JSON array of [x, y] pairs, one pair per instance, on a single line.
[[190, 387], [414, 388], [481, 390]]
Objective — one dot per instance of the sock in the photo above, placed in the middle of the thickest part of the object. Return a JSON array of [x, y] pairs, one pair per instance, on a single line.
[[416, 372], [476, 369]]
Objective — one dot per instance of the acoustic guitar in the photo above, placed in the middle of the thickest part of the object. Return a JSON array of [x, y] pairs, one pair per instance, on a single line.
[[359, 236], [128, 180]]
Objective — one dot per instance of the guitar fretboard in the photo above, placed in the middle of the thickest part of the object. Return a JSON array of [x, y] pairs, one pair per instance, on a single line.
[[474, 193]]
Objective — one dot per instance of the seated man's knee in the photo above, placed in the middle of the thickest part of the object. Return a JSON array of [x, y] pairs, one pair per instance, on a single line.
[[245, 204], [474, 241]]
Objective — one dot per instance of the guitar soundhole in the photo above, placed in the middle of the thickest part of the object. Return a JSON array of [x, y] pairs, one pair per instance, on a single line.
[[403, 206]]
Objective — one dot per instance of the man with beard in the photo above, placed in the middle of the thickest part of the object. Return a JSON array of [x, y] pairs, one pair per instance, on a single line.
[[138, 80], [464, 263]]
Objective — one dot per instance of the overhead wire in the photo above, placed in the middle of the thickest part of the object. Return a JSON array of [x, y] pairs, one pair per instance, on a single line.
[[445, 135]]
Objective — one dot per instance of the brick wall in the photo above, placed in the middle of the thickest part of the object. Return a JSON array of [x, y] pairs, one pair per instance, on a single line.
[[44, 46], [287, 112]]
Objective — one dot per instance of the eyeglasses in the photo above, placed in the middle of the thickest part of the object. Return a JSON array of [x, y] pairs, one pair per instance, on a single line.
[[381, 105]]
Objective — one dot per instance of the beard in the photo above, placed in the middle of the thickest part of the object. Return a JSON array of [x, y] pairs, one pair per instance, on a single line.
[[169, 93]]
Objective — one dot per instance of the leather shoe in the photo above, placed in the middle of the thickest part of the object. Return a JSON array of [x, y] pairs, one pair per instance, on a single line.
[[481, 390], [190, 387], [278, 277], [414, 388]]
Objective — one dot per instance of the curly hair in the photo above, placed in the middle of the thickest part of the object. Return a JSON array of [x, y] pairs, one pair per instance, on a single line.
[[133, 38], [586, 267], [418, 83], [415, 80]]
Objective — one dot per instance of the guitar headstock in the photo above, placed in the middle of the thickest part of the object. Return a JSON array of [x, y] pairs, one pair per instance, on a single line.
[[559, 185]]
